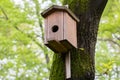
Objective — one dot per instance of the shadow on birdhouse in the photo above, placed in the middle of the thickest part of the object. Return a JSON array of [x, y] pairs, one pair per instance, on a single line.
[[60, 28]]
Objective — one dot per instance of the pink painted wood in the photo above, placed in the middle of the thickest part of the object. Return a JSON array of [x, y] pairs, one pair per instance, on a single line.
[[60, 26], [70, 29]]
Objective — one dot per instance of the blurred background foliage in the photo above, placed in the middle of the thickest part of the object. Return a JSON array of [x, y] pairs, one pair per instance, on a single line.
[[108, 44], [23, 55]]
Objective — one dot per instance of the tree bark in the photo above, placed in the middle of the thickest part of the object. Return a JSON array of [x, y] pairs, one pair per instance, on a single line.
[[82, 59]]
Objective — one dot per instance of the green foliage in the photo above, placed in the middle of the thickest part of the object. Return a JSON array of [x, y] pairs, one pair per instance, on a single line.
[[21, 46], [108, 45], [23, 54]]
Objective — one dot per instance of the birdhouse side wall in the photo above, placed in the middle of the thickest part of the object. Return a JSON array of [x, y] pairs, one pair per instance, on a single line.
[[45, 30], [70, 32], [54, 26]]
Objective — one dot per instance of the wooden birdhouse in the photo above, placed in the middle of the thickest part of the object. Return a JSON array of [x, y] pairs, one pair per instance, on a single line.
[[60, 28]]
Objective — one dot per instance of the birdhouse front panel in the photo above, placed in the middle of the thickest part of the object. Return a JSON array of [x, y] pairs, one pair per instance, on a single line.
[[54, 26], [70, 29], [60, 29]]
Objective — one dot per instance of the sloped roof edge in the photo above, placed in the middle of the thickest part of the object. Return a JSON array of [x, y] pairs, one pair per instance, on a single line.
[[54, 8]]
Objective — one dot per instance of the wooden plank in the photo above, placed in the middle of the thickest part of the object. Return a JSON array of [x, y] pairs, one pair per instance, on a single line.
[[70, 32], [68, 65], [67, 44], [45, 30], [55, 19], [57, 46]]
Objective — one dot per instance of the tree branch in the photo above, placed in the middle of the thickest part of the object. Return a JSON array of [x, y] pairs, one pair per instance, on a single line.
[[34, 40], [29, 37], [110, 40], [118, 38], [36, 2], [3, 11]]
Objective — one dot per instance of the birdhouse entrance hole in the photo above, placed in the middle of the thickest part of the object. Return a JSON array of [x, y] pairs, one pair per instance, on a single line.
[[55, 28]]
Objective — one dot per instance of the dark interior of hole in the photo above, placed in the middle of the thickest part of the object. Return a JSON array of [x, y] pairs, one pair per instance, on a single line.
[[55, 28]]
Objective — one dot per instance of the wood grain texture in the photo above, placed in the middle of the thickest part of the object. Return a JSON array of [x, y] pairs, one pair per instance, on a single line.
[[64, 31], [70, 30], [68, 65]]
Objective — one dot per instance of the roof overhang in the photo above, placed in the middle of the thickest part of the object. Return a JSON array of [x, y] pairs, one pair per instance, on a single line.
[[54, 8]]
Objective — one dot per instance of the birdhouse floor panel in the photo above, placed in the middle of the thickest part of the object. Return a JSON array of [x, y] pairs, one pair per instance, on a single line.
[[62, 46], [67, 44], [57, 46]]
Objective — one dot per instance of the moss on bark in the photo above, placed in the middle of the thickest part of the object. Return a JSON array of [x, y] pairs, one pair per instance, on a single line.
[[58, 67], [82, 60], [77, 6], [81, 66]]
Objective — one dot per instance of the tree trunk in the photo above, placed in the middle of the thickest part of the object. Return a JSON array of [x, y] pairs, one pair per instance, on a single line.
[[82, 59]]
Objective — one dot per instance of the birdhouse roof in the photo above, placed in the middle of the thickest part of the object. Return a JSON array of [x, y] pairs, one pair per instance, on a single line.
[[54, 8]]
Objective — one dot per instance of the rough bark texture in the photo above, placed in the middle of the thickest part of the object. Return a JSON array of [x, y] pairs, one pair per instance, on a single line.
[[82, 59]]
